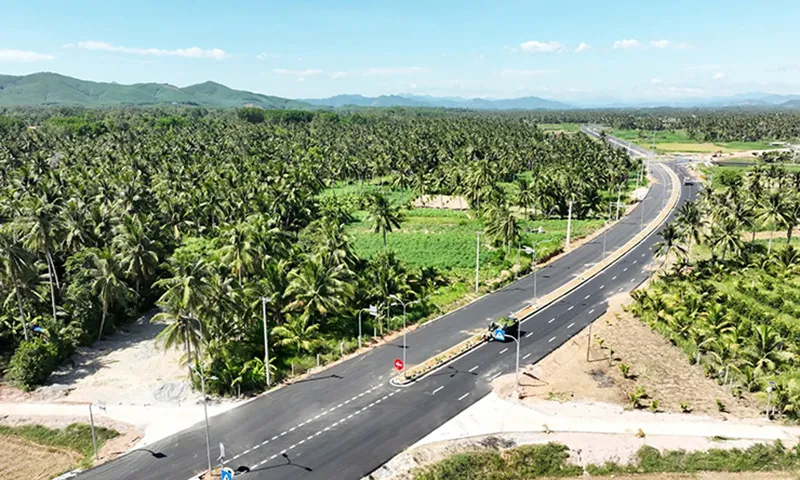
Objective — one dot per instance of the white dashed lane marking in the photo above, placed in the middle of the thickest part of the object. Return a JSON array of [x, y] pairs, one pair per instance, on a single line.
[[437, 390], [551, 320], [473, 369], [462, 397], [526, 356], [570, 325], [503, 351], [528, 335], [570, 308], [551, 339], [591, 311]]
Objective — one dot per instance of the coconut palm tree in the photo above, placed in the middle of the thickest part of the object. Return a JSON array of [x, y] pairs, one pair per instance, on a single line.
[[670, 242], [107, 284], [774, 213], [138, 253], [502, 225], [298, 334], [690, 224], [384, 216], [318, 290], [15, 264]]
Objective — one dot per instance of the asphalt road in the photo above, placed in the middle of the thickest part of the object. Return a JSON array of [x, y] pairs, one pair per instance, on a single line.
[[348, 420]]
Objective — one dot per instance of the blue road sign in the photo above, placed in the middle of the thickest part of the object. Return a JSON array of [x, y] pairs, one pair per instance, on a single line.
[[226, 474], [499, 335]]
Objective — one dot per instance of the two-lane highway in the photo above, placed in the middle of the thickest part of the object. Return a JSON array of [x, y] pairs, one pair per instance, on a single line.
[[347, 420]]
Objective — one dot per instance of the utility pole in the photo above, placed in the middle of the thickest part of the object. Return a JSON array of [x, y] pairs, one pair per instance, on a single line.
[[264, 301], [532, 252], [477, 259], [569, 225]]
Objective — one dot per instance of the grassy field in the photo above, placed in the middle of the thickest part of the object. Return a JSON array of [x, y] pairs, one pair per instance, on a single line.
[[446, 239], [37, 452], [679, 141], [559, 127]]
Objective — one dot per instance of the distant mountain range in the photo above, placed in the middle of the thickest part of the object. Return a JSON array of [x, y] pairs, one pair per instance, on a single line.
[[405, 100], [53, 89]]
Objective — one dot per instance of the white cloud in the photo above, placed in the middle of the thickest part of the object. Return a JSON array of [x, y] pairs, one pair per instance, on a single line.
[[510, 49], [511, 72], [681, 46], [660, 43], [378, 71], [582, 47], [298, 73], [656, 81], [626, 44], [718, 76], [9, 55], [265, 55], [534, 46], [192, 52]]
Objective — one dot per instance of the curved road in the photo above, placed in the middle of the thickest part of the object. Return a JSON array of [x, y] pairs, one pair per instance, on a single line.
[[347, 421]]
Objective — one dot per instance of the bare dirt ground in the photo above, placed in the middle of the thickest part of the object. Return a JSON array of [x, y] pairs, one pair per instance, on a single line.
[[144, 388], [661, 369], [445, 202], [22, 459]]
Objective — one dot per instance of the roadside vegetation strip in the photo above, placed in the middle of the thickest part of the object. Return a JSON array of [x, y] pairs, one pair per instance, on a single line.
[[76, 437], [552, 460], [416, 373]]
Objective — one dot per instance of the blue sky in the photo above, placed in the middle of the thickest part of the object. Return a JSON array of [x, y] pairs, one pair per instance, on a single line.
[[633, 50]]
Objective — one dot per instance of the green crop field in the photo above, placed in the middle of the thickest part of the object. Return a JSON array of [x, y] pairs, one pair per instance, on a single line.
[[559, 127], [680, 141]]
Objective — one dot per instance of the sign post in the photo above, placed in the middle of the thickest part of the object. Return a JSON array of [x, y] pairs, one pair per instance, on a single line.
[[499, 335], [398, 364]]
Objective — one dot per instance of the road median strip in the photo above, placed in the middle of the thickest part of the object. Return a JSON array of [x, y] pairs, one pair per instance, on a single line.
[[416, 373]]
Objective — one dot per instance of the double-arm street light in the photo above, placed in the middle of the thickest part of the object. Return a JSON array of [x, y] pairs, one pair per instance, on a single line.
[[264, 301], [532, 252], [404, 304]]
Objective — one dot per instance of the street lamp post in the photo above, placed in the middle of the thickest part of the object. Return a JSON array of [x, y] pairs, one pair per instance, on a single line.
[[397, 299], [517, 340], [569, 226], [477, 259], [102, 407], [205, 411], [532, 252], [619, 197], [264, 301]]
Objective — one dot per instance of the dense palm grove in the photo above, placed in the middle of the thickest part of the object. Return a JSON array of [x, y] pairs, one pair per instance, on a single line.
[[214, 216], [735, 308]]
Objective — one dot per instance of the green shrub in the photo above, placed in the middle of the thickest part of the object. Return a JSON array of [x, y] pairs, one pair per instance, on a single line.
[[32, 363]]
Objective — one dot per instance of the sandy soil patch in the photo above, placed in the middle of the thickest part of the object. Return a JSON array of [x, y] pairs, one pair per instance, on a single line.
[[656, 365], [445, 202], [22, 459]]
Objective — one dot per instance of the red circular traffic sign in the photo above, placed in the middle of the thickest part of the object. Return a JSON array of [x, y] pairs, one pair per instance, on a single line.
[[398, 364]]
